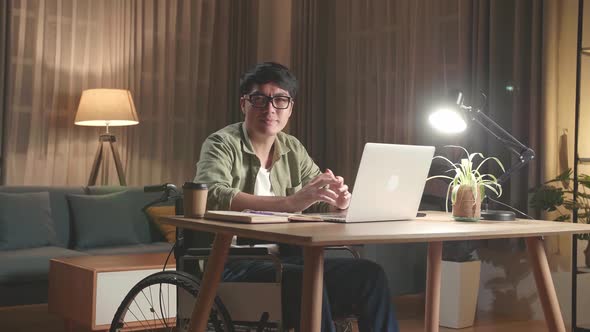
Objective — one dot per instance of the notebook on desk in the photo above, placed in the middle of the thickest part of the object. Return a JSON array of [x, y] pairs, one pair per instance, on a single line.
[[259, 217], [389, 184]]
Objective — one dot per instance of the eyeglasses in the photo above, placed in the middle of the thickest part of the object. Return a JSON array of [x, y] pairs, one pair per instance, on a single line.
[[261, 101]]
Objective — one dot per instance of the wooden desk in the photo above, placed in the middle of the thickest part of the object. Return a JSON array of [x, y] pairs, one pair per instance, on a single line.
[[435, 228]]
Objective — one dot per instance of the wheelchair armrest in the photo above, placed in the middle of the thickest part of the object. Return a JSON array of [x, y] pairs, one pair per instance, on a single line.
[[350, 249], [233, 251], [242, 253]]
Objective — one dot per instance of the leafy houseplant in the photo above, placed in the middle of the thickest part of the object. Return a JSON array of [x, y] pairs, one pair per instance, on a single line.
[[461, 267], [550, 198], [467, 186]]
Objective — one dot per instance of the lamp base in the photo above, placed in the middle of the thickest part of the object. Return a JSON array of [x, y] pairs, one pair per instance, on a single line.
[[498, 215]]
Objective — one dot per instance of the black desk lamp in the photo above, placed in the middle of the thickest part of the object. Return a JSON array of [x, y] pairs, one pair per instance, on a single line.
[[451, 120]]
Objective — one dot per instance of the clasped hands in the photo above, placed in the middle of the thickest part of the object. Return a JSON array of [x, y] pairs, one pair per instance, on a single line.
[[325, 187]]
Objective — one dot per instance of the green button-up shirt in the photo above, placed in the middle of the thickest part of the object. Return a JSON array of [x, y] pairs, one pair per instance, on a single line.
[[229, 165]]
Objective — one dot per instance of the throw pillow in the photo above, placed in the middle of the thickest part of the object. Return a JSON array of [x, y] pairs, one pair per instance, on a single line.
[[147, 232], [25, 221], [102, 220], [155, 212]]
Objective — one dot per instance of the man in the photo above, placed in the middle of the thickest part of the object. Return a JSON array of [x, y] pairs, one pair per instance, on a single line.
[[254, 165]]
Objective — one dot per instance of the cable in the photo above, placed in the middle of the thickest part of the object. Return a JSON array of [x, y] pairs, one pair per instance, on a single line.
[[510, 207], [168, 257]]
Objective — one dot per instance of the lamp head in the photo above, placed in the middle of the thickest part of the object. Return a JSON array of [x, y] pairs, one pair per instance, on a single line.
[[106, 107], [449, 118]]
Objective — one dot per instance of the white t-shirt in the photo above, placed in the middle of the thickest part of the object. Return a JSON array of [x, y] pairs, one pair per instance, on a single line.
[[262, 186]]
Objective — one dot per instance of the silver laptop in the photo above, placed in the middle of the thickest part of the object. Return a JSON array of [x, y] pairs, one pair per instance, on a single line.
[[389, 183]]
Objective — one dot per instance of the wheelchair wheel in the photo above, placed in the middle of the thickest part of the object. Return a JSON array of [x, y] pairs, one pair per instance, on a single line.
[[164, 301]]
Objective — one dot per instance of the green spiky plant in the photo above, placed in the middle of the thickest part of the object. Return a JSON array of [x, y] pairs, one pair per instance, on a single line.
[[466, 174], [549, 197]]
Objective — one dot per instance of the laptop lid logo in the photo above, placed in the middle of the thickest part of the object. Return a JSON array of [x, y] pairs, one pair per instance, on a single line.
[[393, 183]]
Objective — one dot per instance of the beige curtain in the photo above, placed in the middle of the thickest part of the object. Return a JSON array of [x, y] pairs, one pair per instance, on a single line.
[[4, 55], [172, 55], [374, 70], [502, 58], [369, 71], [559, 78], [308, 63]]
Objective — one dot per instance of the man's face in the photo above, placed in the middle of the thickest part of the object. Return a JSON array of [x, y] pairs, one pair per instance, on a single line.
[[263, 116]]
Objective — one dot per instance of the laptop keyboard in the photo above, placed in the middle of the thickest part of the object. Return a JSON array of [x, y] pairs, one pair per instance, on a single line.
[[333, 217]]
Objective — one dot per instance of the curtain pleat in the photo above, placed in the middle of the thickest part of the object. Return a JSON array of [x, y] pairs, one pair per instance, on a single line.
[[308, 121], [243, 48], [5, 7]]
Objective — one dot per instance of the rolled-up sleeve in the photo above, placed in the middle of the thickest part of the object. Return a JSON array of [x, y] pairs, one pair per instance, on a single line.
[[215, 169]]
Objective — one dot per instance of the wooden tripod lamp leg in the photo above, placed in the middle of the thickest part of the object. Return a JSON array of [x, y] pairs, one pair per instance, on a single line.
[[118, 164], [111, 140], [95, 165]]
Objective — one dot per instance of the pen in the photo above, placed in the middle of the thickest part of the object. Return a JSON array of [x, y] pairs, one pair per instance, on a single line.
[[268, 213]]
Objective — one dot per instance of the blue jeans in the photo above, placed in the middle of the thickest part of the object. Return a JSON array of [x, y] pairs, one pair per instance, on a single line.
[[351, 286]]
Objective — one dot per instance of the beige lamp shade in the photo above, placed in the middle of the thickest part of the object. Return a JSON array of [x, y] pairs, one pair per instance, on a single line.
[[106, 107]]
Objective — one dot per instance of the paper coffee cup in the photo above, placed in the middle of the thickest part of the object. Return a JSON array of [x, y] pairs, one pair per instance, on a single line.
[[195, 199]]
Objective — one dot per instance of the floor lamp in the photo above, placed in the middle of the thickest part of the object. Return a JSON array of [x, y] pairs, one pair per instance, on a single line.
[[108, 108]]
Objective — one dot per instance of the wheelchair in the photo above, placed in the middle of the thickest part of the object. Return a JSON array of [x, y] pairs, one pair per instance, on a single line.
[[164, 300]]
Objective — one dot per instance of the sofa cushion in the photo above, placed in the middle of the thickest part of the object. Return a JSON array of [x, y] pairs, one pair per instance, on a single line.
[[136, 199], [30, 264], [168, 231], [132, 249], [103, 220], [59, 206], [25, 221]]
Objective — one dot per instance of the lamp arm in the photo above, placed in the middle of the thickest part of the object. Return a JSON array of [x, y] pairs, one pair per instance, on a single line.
[[508, 139], [524, 153], [510, 145]]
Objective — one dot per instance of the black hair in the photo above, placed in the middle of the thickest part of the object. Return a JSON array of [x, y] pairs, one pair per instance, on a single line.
[[268, 72]]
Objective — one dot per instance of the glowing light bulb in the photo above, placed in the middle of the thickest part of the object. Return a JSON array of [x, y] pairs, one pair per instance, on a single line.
[[447, 121]]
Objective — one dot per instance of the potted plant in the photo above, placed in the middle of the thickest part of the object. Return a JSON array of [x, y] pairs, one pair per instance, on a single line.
[[461, 267], [467, 186], [549, 198]]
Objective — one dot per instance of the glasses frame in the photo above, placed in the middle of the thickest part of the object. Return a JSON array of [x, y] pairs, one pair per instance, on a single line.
[[270, 100]]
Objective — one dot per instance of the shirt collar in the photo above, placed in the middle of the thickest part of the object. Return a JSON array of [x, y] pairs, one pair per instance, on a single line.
[[280, 148]]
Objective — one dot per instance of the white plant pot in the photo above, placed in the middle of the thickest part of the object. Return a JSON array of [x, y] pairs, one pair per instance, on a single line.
[[458, 294]]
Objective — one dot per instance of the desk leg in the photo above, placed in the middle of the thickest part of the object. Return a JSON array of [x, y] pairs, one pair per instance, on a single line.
[[545, 288], [211, 279], [313, 286], [432, 309]]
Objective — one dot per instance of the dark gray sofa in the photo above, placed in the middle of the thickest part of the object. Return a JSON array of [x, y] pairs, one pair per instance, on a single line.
[[24, 271]]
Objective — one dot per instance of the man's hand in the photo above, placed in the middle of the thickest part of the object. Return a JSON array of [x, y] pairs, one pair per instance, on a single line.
[[341, 189], [323, 188]]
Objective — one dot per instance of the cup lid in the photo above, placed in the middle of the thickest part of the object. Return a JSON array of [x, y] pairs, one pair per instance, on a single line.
[[193, 185]]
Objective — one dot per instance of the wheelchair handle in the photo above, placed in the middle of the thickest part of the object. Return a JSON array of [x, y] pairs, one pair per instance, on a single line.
[[160, 187]]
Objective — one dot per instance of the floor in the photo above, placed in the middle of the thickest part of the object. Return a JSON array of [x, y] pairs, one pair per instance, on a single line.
[[410, 310], [410, 313]]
